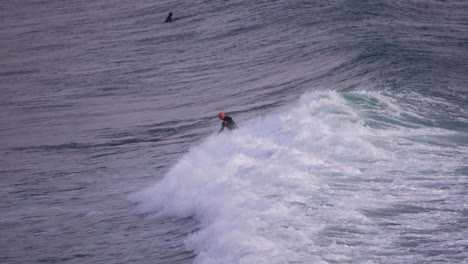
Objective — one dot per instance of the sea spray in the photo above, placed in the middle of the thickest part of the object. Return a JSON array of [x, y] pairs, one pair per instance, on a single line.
[[262, 193]]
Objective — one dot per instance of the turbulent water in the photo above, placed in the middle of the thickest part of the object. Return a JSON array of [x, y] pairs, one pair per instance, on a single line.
[[352, 146]]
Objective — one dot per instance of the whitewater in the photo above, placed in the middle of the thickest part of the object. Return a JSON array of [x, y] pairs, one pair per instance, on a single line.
[[322, 182]]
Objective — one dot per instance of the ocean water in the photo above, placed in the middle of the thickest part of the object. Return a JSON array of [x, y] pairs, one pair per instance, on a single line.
[[352, 146]]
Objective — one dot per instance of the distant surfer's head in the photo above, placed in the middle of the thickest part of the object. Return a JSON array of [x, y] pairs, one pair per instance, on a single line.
[[221, 115]]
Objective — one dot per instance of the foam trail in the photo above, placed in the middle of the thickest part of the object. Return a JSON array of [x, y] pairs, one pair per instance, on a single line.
[[280, 189]]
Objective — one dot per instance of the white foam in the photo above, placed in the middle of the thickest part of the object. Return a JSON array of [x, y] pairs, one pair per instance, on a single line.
[[287, 187]]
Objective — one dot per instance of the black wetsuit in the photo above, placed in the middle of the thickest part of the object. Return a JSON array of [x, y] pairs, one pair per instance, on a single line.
[[169, 18], [228, 123]]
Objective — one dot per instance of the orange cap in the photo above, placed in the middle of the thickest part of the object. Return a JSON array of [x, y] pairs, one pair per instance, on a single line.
[[221, 115]]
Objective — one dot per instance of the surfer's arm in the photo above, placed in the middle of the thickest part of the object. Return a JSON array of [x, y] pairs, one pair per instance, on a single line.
[[222, 127]]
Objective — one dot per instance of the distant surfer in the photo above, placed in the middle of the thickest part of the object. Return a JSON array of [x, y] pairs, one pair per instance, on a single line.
[[169, 18], [227, 122]]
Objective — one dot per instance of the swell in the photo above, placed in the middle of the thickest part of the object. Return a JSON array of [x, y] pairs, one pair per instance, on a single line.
[[401, 46]]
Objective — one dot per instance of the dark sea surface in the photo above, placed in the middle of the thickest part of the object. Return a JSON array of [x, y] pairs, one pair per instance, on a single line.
[[352, 146]]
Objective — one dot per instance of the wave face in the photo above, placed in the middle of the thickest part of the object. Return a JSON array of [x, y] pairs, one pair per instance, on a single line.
[[352, 145], [341, 177]]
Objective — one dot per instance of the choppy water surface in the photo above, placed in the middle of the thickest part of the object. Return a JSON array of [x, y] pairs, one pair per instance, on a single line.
[[352, 147]]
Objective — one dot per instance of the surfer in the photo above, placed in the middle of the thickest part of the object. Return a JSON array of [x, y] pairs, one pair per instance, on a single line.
[[169, 18], [227, 122]]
